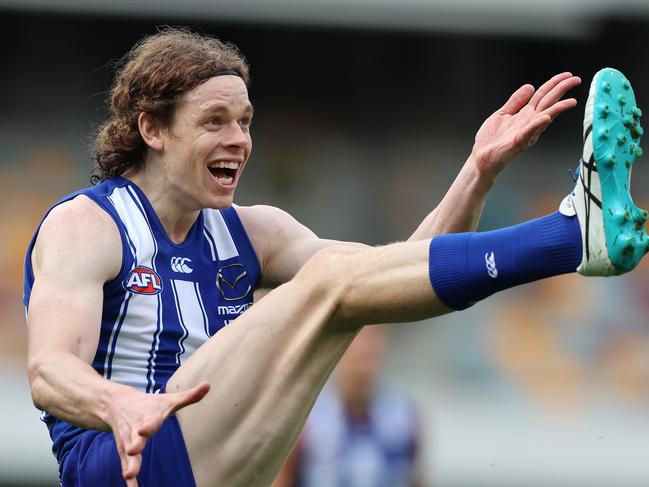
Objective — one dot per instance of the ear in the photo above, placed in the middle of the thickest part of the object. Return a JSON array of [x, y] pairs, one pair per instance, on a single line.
[[150, 131]]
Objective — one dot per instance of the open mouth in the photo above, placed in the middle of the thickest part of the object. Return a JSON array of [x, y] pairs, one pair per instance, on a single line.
[[224, 171]]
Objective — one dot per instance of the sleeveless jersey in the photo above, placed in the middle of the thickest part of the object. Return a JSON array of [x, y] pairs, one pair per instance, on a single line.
[[168, 298], [376, 451]]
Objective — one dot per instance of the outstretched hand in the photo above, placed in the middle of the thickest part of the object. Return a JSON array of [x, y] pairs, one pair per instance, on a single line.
[[135, 417], [519, 123]]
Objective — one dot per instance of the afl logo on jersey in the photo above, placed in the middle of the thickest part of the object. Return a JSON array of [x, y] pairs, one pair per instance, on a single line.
[[143, 280]]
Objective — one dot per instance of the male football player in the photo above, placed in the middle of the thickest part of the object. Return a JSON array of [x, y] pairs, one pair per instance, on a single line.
[[129, 284]]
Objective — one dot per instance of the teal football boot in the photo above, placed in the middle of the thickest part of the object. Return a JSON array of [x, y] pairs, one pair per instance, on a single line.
[[612, 227]]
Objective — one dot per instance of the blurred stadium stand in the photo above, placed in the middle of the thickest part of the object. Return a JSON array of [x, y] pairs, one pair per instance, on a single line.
[[365, 110], [551, 17]]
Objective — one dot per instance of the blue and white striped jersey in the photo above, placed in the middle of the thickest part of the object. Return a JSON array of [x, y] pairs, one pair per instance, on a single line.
[[168, 298], [378, 450]]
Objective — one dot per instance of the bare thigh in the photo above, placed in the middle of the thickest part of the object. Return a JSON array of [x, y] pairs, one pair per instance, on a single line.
[[267, 367]]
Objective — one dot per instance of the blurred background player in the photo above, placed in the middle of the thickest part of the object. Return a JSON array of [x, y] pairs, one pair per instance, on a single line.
[[360, 433]]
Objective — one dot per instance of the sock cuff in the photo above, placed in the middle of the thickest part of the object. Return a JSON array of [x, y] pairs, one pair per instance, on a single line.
[[447, 268], [561, 240]]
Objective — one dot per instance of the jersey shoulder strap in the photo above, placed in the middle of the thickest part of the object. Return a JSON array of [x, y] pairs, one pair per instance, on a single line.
[[100, 195]]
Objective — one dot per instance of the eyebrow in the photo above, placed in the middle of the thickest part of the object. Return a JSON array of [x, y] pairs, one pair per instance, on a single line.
[[223, 107]]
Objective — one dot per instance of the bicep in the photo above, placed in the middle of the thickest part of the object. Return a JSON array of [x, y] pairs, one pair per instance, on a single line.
[[283, 244], [289, 256], [63, 317]]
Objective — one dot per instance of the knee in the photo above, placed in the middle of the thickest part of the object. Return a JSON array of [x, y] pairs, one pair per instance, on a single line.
[[330, 270]]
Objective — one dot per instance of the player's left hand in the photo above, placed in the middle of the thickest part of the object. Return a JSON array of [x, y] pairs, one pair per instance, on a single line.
[[519, 123]]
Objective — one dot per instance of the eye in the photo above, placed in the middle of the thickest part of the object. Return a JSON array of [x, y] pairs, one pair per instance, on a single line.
[[215, 122], [245, 122]]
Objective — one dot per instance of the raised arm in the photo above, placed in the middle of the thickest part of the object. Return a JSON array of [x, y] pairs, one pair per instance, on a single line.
[[79, 249], [283, 245], [509, 131]]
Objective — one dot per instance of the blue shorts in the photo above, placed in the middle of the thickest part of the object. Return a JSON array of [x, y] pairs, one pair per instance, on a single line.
[[93, 460]]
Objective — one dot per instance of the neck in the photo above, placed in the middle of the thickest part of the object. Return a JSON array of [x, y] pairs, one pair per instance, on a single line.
[[356, 405], [176, 218]]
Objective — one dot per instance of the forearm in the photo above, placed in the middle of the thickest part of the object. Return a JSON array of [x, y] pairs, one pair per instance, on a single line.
[[70, 389], [461, 207]]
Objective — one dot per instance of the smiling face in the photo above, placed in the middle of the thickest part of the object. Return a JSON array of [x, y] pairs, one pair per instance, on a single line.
[[206, 148]]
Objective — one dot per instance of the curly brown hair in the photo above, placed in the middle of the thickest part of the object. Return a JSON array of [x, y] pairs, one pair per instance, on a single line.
[[149, 78]]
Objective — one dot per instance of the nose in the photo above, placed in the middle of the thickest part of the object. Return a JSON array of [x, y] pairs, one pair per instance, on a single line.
[[236, 136]]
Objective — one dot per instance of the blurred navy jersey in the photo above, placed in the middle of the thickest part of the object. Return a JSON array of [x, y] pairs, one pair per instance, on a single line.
[[377, 450], [168, 298]]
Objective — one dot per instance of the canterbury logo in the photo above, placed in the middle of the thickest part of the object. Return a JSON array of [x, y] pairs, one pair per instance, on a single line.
[[179, 264], [490, 260]]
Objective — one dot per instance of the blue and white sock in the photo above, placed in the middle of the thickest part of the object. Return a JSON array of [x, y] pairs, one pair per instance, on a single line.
[[467, 267]]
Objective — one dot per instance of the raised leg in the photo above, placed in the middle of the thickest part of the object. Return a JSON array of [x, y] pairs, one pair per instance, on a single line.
[[268, 366]]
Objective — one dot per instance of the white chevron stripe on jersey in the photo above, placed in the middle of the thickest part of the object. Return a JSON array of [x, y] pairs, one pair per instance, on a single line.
[[179, 313], [210, 242], [128, 355], [191, 316], [151, 385], [206, 324], [218, 229]]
